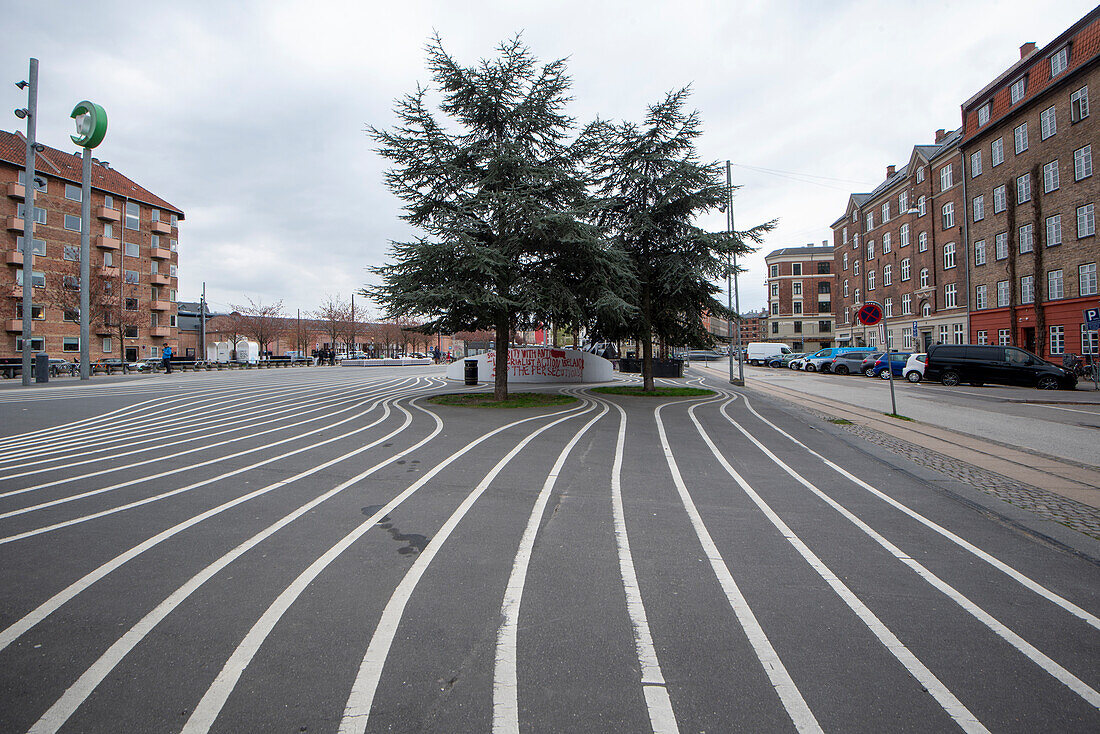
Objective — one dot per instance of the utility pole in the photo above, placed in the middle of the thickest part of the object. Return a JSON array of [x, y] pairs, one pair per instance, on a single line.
[[202, 319], [353, 329], [732, 273], [91, 127], [30, 113]]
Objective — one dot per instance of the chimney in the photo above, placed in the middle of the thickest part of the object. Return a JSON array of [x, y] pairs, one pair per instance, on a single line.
[[824, 243], [890, 171], [1027, 49], [940, 135]]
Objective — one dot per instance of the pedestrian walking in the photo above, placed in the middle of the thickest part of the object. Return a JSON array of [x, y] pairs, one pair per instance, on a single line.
[[166, 360]]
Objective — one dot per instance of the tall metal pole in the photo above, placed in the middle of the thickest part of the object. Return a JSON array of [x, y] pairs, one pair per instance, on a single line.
[[890, 367], [28, 218], [202, 319], [85, 266], [733, 270]]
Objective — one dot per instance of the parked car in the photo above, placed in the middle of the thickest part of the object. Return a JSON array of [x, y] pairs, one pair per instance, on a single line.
[[914, 367], [798, 363], [785, 359], [705, 355], [982, 363], [868, 365], [821, 360], [761, 353], [848, 362], [897, 365]]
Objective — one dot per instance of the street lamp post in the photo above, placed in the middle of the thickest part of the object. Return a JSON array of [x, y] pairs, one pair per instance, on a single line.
[[91, 126], [30, 114], [731, 274]]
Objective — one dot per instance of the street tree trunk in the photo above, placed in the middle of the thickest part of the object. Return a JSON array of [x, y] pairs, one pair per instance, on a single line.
[[500, 385]]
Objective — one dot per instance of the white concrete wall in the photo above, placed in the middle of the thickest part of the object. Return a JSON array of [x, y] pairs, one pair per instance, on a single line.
[[539, 364]]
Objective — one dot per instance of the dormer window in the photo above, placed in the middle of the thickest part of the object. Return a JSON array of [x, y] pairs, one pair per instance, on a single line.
[[1059, 62], [1019, 88], [983, 114]]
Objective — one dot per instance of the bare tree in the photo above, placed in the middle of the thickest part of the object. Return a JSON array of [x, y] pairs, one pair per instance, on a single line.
[[331, 316], [114, 304], [261, 323]]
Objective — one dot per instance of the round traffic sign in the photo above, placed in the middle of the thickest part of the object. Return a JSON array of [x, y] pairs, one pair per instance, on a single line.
[[870, 314]]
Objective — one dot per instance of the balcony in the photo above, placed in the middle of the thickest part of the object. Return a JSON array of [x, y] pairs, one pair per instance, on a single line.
[[16, 190], [161, 331], [15, 325], [160, 306], [161, 228], [161, 279], [160, 253], [107, 243], [108, 215], [13, 258], [13, 223]]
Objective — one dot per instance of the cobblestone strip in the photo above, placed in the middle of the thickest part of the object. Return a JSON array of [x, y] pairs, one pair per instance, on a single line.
[[1048, 505]]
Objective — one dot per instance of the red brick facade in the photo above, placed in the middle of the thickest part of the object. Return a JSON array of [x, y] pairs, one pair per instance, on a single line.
[[801, 293]]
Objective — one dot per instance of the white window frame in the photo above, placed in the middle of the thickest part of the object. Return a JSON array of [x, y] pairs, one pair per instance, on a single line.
[[1059, 61], [1023, 188], [1086, 221], [945, 177], [979, 208], [1018, 90], [1079, 105], [922, 242], [975, 164], [1025, 238], [925, 278], [980, 300], [1056, 288], [1002, 293], [997, 152], [1054, 230], [983, 114], [948, 215], [1027, 289], [1058, 339], [949, 256], [1000, 246], [1050, 176], [979, 252], [1019, 137], [1048, 123], [1082, 162], [1086, 279], [1000, 199]]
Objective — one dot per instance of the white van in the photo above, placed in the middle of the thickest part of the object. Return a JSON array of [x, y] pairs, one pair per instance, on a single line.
[[760, 353]]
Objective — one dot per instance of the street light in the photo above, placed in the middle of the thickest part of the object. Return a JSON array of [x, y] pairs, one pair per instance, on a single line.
[[731, 273], [30, 114]]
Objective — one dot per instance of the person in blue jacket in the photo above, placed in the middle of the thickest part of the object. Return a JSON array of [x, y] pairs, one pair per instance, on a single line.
[[166, 360]]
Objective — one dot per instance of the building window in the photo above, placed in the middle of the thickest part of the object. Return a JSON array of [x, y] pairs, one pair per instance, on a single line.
[[37, 344], [945, 177], [1086, 221], [845, 288], [844, 235], [905, 269], [943, 334], [1048, 125], [1082, 163], [109, 230], [797, 327], [38, 247], [888, 304], [1019, 88], [824, 327], [997, 152], [907, 340], [979, 208], [957, 334], [796, 269], [1054, 230], [1089, 341], [1079, 105], [983, 336], [1023, 188], [131, 332], [949, 256], [774, 271], [775, 309], [38, 279], [887, 275], [855, 267], [70, 344], [823, 307], [845, 261], [133, 215], [975, 164], [926, 309], [979, 252], [132, 249], [980, 297], [775, 290], [857, 299], [847, 316], [1057, 340], [172, 245], [1086, 278], [174, 220], [885, 243], [72, 222], [39, 213], [775, 327], [154, 241], [922, 242], [907, 303], [921, 208], [131, 277], [951, 295], [948, 212], [1019, 135], [1002, 293], [71, 253], [70, 282], [1003, 337], [40, 184], [1054, 285], [903, 235], [903, 202], [1000, 247], [870, 280], [870, 249], [885, 212], [983, 114], [870, 221], [796, 288], [824, 287], [1025, 239], [73, 193], [999, 199], [1050, 176], [823, 268], [1027, 289], [924, 278], [37, 312], [1059, 62], [106, 347], [920, 174], [872, 339], [172, 295]]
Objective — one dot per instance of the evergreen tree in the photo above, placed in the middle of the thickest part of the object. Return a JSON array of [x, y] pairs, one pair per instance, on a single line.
[[500, 194], [651, 187]]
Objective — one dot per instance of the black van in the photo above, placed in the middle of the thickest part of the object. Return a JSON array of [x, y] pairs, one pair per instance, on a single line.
[[982, 363]]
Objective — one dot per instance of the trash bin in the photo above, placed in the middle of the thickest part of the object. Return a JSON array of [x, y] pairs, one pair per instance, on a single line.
[[41, 368], [471, 371]]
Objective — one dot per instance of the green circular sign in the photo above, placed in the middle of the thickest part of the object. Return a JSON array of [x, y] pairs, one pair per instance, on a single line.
[[91, 124]]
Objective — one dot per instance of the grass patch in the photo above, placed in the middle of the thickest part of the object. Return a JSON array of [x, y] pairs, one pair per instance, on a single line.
[[659, 392], [514, 400], [840, 421], [899, 417]]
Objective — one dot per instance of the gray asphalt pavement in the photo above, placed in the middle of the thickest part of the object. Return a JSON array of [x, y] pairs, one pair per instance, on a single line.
[[322, 550]]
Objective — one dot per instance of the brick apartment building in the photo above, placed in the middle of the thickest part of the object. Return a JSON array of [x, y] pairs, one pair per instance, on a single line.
[[801, 287], [901, 246], [754, 326], [134, 236], [1028, 144]]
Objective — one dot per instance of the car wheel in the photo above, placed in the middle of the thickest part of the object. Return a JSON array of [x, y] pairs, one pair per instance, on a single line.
[[810, 367], [869, 372], [913, 376], [884, 375], [950, 378], [1047, 382], [841, 369]]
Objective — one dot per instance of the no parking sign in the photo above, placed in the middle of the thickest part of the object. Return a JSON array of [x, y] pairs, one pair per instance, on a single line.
[[870, 314]]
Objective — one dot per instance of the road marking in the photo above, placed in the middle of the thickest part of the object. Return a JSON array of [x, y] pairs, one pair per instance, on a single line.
[[505, 675], [1011, 572], [1071, 681], [789, 695], [947, 700]]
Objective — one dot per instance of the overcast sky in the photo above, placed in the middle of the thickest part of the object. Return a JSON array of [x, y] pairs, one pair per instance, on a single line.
[[250, 116]]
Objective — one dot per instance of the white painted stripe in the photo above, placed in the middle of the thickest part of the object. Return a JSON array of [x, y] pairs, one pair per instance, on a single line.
[[793, 702], [1011, 572], [947, 700], [505, 675], [662, 717], [206, 711], [1071, 681], [76, 694]]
